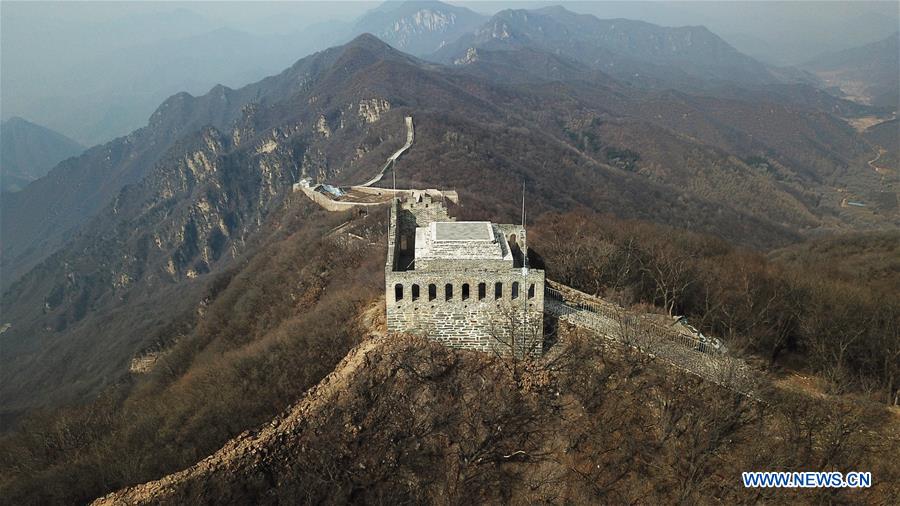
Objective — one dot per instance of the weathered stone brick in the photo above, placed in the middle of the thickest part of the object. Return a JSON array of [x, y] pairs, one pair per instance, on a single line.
[[467, 257]]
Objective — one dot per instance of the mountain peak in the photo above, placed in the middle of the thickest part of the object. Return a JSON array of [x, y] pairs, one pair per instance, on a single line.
[[370, 47], [419, 27], [16, 120], [368, 41], [623, 48], [425, 4], [555, 9], [28, 151]]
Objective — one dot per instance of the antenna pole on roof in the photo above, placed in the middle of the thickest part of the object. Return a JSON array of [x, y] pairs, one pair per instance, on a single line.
[[523, 203], [524, 251], [524, 236]]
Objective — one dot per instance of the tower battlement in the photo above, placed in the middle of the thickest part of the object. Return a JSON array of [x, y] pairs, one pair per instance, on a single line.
[[465, 284]]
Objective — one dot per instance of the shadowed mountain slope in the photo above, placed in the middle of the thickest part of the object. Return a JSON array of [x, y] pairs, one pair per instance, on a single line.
[[687, 58], [631, 50], [870, 73], [28, 151], [192, 214], [37, 221]]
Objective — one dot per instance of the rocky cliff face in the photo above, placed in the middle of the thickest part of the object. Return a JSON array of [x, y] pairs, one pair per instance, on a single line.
[[191, 215], [416, 27], [38, 220], [371, 110]]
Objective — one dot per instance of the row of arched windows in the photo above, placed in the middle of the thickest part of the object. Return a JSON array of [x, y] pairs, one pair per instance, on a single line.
[[465, 292]]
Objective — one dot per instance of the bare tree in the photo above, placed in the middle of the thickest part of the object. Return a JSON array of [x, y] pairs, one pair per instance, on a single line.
[[517, 334], [669, 270]]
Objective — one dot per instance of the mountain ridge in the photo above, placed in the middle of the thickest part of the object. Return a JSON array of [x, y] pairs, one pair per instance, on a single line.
[[29, 232], [608, 45], [668, 157], [193, 213], [870, 73], [29, 151]]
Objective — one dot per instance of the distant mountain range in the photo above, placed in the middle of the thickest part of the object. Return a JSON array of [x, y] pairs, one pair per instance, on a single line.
[[512, 47], [180, 255], [418, 28], [119, 230], [869, 74], [28, 151], [626, 49], [111, 92], [117, 87]]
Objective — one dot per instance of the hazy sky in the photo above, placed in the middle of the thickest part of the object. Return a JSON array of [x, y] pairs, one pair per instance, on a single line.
[[70, 65], [809, 23]]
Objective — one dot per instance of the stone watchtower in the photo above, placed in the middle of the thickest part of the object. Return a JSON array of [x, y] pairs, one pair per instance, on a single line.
[[465, 284]]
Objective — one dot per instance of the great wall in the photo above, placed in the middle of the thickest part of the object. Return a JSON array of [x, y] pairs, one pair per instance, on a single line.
[[366, 194], [479, 295]]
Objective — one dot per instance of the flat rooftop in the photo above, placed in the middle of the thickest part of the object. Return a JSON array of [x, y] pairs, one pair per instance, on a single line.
[[460, 240], [463, 231]]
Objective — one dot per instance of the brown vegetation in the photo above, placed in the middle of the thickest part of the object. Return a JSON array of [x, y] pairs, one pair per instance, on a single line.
[[422, 423], [830, 306], [271, 327], [416, 423]]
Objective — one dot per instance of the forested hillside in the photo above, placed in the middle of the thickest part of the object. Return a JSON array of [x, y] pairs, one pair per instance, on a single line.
[[169, 296], [286, 314], [606, 148]]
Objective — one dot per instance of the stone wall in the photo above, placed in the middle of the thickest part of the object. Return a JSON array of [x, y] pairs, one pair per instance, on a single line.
[[405, 217], [330, 204], [473, 320]]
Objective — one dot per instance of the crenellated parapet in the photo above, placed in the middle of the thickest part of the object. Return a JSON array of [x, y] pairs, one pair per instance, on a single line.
[[464, 284]]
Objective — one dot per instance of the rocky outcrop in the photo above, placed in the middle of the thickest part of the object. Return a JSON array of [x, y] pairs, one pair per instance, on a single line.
[[370, 110], [418, 27], [470, 57], [322, 127]]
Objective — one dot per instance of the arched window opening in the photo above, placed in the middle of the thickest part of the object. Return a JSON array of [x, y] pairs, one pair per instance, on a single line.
[[514, 293], [415, 292], [448, 291], [531, 291], [465, 291], [482, 291], [398, 292], [432, 291], [498, 290]]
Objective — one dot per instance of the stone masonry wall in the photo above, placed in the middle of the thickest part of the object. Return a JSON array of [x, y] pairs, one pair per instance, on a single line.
[[474, 323], [482, 324]]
